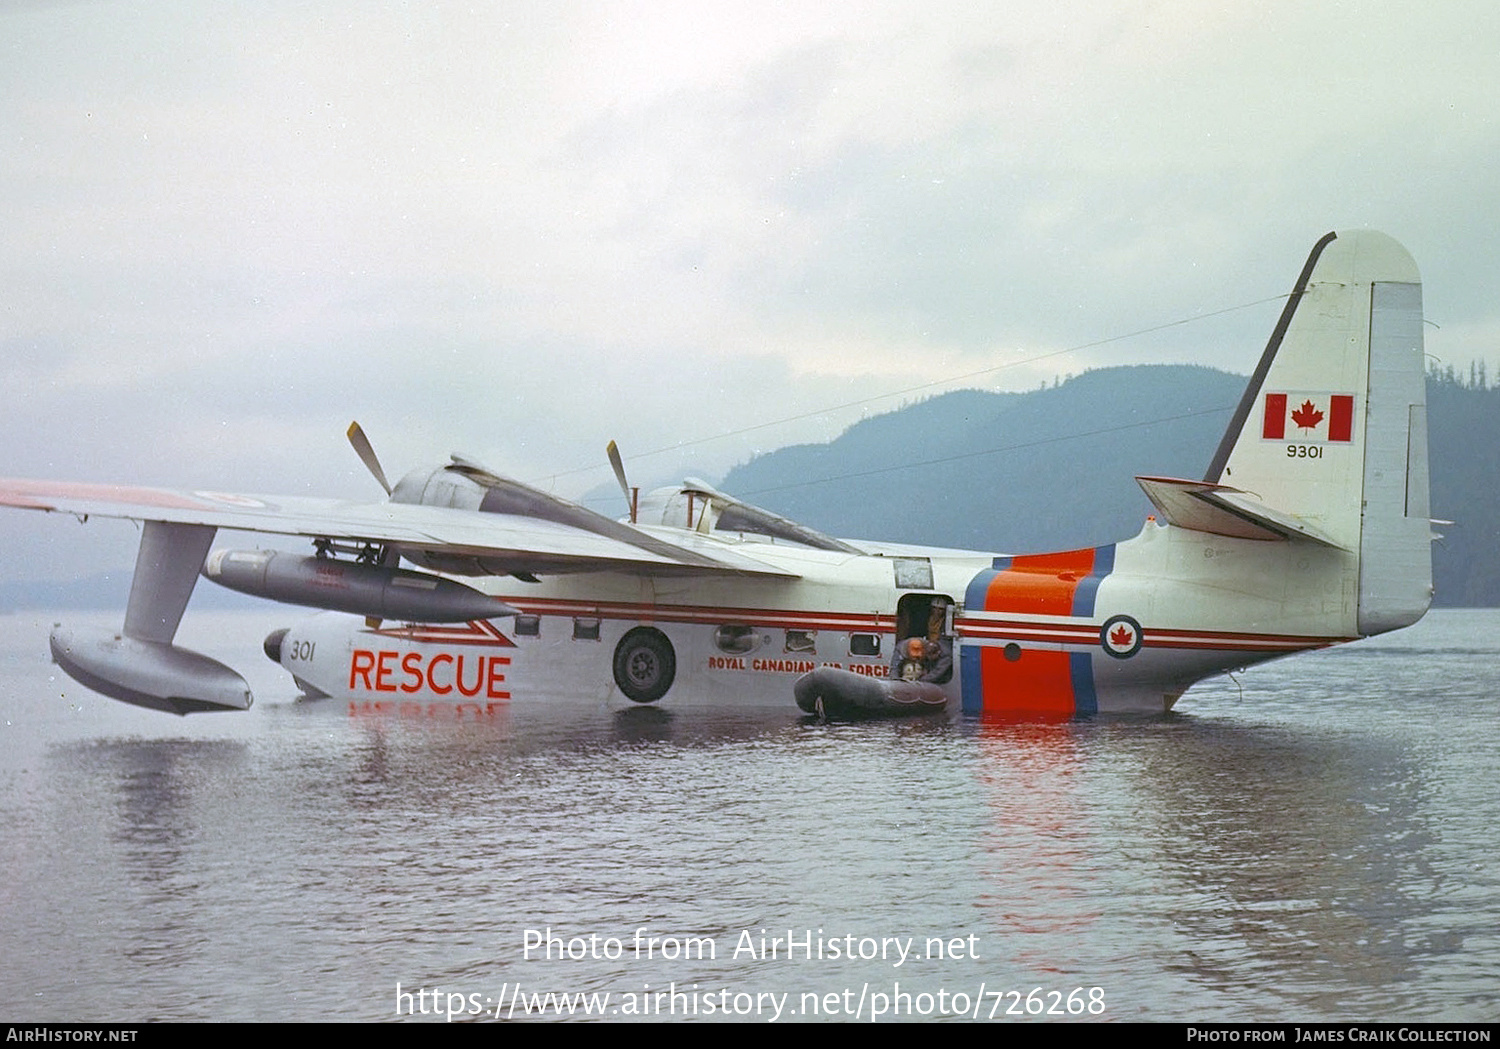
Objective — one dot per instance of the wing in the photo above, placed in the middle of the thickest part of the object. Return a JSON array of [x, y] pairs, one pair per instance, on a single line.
[[507, 527], [481, 541]]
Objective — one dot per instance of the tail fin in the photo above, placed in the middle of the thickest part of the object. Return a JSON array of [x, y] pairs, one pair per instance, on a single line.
[[1332, 429]]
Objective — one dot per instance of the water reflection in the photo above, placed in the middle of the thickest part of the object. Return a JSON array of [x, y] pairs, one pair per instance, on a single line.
[[1311, 850]]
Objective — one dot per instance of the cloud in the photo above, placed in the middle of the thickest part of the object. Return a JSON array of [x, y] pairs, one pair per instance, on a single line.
[[226, 231]]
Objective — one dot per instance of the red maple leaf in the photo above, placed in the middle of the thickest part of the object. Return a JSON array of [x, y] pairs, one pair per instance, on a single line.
[[1121, 635], [1307, 416]]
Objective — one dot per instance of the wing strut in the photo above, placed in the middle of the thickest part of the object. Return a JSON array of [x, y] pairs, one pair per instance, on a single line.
[[140, 665], [165, 570]]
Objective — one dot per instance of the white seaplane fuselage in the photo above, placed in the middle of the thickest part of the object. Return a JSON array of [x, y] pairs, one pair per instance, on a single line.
[[1029, 634], [1311, 527]]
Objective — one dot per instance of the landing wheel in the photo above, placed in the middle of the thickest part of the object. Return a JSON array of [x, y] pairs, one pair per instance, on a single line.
[[645, 664]]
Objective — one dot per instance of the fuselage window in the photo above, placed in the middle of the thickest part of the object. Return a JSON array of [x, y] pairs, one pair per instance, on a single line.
[[802, 641], [735, 638], [864, 644], [913, 573], [585, 629], [528, 626]]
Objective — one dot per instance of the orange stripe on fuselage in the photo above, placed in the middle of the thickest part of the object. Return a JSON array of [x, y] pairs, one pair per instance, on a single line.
[[1042, 584], [1039, 681]]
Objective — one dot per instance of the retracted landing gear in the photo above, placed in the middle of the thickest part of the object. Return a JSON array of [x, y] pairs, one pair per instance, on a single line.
[[645, 664]]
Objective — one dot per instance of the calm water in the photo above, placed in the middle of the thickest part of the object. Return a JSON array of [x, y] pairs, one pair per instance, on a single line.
[[1317, 841]]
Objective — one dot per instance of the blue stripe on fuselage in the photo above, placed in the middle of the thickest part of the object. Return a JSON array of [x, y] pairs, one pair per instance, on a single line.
[[1088, 587]]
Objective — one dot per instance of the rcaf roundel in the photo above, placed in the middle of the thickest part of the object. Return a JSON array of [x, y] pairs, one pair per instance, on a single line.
[[1318, 418], [1120, 636]]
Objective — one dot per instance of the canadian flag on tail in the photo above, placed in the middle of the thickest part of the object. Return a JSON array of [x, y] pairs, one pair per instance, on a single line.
[[1312, 417]]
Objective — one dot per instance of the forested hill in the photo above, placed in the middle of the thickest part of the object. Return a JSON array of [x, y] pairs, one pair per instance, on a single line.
[[1054, 468], [1047, 470], [1463, 420]]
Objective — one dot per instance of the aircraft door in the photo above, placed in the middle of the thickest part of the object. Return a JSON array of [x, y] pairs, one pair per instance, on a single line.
[[924, 639]]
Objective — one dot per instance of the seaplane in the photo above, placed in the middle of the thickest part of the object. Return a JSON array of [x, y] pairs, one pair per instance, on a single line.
[[465, 589]]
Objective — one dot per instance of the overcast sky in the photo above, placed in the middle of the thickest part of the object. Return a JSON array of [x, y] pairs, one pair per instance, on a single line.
[[518, 230]]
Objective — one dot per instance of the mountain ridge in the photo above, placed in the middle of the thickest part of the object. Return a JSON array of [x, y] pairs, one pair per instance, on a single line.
[[1054, 468]]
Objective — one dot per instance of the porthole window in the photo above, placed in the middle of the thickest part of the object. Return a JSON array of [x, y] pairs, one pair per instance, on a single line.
[[735, 638], [805, 641]]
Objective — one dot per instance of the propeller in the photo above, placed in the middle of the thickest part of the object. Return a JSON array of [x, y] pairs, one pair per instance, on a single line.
[[366, 453], [613, 451]]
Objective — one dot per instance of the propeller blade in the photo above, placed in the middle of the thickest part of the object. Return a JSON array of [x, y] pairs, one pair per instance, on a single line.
[[613, 451], [366, 454]]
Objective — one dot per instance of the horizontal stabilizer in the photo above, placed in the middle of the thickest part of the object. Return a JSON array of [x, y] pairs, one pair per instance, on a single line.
[[1221, 510]]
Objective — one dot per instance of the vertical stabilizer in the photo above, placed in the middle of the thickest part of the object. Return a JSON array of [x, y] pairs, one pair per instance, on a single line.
[[1333, 428]]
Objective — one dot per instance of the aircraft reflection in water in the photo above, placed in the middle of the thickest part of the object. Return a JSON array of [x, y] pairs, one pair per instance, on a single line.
[[1310, 528]]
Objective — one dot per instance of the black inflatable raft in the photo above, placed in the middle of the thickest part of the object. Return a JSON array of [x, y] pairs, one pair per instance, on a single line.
[[843, 694]]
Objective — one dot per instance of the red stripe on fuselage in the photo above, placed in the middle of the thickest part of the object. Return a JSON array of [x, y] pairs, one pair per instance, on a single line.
[[1075, 633], [776, 618]]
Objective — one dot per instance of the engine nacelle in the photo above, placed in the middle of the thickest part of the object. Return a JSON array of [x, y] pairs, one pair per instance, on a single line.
[[675, 507], [439, 486]]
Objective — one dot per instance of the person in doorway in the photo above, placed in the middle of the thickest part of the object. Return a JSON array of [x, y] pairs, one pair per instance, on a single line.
[[930, 658]]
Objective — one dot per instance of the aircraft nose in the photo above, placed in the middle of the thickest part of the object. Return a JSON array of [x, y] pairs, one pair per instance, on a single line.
[[272, 644]]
